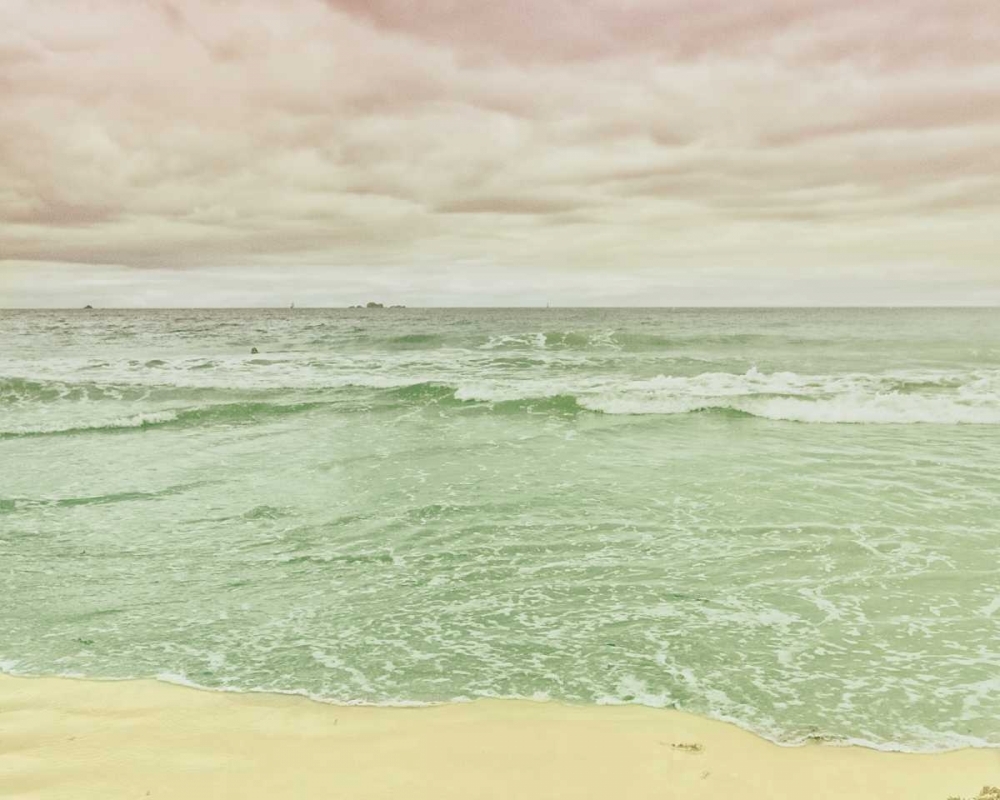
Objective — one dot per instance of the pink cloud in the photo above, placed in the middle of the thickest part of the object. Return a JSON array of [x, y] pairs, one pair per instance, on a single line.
[[673, 132]]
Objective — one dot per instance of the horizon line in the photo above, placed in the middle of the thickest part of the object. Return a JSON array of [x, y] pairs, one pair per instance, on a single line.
[[504, 308]]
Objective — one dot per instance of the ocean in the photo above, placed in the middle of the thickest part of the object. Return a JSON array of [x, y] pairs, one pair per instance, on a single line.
[[789, 519]]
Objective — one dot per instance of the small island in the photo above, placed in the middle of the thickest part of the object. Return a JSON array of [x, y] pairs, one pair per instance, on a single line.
[[373, 304]]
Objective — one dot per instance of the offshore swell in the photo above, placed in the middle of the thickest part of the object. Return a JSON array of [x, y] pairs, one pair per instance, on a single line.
[[779, 518]]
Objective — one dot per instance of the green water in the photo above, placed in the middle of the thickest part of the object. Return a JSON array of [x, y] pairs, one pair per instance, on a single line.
[[784, 518]]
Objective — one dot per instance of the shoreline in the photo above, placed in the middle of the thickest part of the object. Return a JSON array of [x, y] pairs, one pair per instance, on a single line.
[[827, 740], [82, 738]]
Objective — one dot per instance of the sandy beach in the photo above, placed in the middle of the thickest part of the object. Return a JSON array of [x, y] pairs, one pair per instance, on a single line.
[[64, 738]]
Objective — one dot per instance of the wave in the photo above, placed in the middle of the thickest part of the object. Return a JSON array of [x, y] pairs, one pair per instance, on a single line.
[[19, 391], [416, 340], [785, 396], [27, 392], [620, 340], [885, 409], [579, 340], [462, 397], [232, 413], [857, 399], [141, 420], [860, 398]]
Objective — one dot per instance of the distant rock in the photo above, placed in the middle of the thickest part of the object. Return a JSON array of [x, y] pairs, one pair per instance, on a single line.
[[88, 306], [372, 304], [397, 306]]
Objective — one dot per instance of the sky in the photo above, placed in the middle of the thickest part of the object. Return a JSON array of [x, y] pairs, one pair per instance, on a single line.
[[499, 152]]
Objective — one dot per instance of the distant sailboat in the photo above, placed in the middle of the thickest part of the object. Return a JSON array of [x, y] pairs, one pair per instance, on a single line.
[[292, 306]]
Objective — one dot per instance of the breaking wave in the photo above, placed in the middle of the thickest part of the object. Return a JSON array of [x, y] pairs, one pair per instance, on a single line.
[[857, 399], [946, 398], [232, 413]]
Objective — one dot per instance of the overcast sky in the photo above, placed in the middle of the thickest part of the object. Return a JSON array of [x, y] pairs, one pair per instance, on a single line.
[[499, 152]]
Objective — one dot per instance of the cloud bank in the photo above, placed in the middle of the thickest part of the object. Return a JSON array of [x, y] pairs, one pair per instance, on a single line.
[[473, 151]]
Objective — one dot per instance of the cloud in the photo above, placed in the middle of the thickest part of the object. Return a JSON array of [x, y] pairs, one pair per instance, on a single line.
[[678, 136]]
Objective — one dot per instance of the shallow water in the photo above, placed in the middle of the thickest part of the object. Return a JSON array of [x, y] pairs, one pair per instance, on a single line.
[[785, 518]]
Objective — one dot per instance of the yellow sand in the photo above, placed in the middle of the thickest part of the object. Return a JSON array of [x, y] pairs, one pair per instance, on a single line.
[[74, 739]]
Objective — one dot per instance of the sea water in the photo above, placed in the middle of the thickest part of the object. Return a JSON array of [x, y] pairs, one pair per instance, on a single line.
[[785, 518]]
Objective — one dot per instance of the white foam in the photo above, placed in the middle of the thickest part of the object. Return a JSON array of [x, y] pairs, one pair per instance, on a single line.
[[951, 398], [537, 339], [990, 608], [66, 425]]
